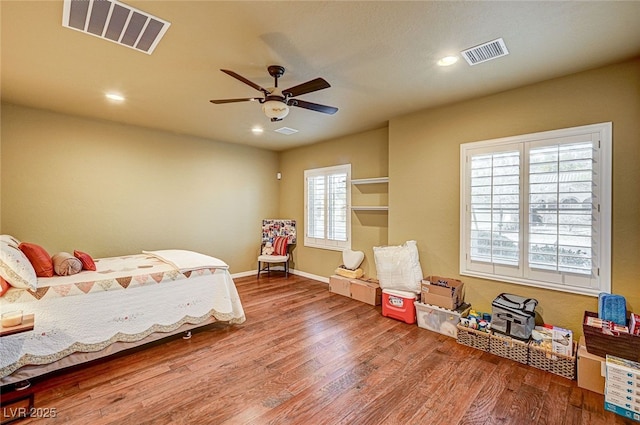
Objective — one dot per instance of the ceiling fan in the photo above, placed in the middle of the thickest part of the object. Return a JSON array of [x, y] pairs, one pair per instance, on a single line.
[[276, 102]]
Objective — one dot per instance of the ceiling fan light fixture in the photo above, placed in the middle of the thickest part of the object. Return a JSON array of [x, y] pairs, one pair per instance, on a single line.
[[275, 109]]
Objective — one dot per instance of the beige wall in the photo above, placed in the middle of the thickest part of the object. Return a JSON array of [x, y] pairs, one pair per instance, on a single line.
[[424, 151], [110, 189], [368, 155]]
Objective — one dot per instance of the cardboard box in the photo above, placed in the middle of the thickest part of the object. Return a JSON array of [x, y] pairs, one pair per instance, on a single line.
[[367, 291], [340, 285], [619, 395], [449, 296], [562, 342], [591, 369], [625, 412]]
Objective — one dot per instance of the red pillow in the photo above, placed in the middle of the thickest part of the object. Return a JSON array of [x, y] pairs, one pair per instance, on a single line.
[[85, 259], [4, 286], [280, 245], [39, 258]]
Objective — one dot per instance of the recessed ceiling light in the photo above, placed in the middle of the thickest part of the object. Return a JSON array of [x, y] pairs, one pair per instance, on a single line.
[[257, 130], [448, 60], [115, 97]]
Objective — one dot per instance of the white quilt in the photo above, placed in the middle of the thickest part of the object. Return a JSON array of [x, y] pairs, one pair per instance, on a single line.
[[86, 314]]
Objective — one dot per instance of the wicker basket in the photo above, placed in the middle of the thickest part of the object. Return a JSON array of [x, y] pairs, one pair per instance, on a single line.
[[473, 338], [553, 362], [626, 346], [509, 348]]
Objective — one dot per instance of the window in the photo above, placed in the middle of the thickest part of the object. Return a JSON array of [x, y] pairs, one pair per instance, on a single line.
[[536, 209], [327, 196]]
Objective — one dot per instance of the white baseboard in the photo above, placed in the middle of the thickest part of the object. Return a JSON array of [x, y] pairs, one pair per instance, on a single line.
[[323, 279], [309, 275], [245, 274]]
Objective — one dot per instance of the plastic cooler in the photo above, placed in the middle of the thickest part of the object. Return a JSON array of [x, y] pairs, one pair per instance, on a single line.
[[399, 305]]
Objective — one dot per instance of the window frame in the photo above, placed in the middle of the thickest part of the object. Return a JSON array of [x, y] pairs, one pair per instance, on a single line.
[[522, 274], [326, 242]]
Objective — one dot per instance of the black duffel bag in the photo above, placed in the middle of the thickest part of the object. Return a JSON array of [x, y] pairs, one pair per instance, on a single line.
[[513, 316]]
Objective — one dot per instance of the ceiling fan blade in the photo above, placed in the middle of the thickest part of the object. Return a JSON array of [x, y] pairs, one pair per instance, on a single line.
[[244, 80], [244, 99], [308, 87], [313, 106]]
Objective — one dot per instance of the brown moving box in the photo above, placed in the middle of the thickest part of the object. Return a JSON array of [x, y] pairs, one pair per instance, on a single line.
[[590, 369], [340, 285], [449, 297], [366, 291]]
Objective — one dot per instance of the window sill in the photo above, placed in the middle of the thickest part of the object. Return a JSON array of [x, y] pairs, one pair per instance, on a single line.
[[536, 284]]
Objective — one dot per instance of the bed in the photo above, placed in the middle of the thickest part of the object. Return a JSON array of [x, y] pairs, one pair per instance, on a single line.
[[127, 301]]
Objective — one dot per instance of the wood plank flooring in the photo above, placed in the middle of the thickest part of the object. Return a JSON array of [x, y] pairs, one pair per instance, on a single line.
[[305, 356]]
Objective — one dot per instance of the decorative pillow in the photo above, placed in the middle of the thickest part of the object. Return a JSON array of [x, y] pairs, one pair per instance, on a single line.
[[4, 286], [16, 268], [280, 245], [398, 267], [66, 264], [85, 259], [39, 258], [9, 240]]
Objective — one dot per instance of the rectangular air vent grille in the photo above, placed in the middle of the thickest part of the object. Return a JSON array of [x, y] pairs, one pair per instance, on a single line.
[[485, 52], [116, 22], [286, 130]]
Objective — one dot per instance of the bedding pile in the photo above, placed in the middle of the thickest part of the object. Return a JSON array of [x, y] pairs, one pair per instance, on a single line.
[[124, 300]]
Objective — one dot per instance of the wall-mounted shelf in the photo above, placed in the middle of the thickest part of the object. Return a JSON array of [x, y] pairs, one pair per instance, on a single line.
[[370, 208], [371, 180]]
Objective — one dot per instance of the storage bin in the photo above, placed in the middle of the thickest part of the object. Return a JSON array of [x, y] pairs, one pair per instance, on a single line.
[[473, 338], [441, 320], [624, 345], [399, 305], [559, 364], [509, 348]]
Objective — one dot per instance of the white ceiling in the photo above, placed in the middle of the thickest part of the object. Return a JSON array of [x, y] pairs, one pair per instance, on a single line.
[[379, 58]]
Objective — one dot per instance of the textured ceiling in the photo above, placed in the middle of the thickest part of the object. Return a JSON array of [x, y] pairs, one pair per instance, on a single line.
[[379, 58]]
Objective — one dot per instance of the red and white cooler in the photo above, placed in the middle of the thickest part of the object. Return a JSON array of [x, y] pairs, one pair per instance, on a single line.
[[399, 305]]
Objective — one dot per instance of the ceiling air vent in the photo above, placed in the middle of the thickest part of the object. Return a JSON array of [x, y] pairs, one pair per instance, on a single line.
[[485, 52], [116, 22], [286, 131]]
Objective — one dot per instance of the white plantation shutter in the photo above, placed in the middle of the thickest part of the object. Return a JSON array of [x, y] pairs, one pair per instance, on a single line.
[[316, 206], [495, 211], [563, 208], [337, 210], [536, 209], [327, 200]]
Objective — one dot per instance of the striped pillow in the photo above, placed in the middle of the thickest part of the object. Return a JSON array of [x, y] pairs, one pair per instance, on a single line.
[[280, 245]]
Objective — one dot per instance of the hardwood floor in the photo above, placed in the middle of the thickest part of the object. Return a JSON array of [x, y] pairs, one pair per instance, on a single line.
[[305, 356]]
